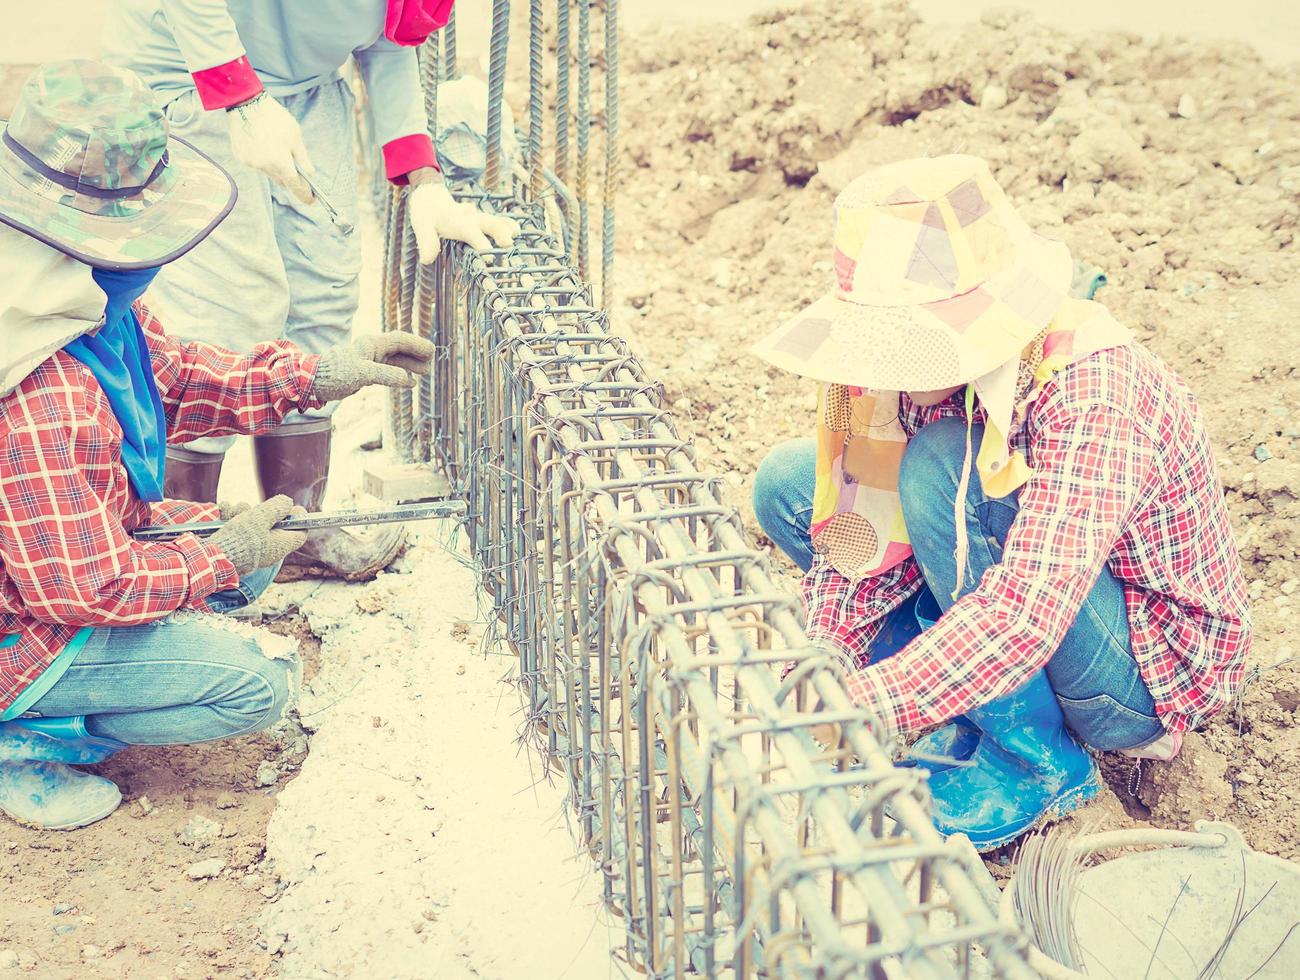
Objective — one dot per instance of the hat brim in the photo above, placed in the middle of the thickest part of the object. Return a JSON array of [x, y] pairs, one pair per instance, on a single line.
[[930, 346], [201, 196]]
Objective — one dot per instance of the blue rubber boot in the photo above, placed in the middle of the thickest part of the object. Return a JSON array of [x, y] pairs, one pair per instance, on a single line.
[[55, 740], [946, 747], [38, 789], [1026, 768], [52, 796]]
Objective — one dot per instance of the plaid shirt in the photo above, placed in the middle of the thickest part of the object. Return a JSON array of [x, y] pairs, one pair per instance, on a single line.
[[66, 508], [1123, 476]]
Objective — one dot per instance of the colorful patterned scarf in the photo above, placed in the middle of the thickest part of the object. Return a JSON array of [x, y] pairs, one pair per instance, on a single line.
[[857, 520]]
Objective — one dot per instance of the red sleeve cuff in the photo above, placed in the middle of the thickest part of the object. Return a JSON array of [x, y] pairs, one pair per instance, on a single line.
[[210, 570], [886, 692], [308, 365], [407, 153], [227, 85]]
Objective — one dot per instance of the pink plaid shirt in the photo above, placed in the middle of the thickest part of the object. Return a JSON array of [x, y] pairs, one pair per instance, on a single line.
[[1123, 476], [67, 559]]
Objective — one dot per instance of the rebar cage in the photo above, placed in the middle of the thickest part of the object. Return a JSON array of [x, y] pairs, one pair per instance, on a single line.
[[665, 674]]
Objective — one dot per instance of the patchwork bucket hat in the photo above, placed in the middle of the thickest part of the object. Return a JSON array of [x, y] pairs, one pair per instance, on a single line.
[[87, 166], [938, 281]]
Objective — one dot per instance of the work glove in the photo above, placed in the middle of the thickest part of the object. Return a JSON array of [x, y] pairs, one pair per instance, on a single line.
[[250, 541], [435, 215], [227, 511], [385, 359], [264, 136]]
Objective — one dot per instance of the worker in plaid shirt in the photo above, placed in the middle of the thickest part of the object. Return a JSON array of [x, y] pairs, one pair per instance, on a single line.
[[1010, 518], [94, 197]]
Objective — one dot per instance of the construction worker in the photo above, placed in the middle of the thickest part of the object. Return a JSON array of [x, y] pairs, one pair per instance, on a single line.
[[94, 198], [1002, 463], [256, 85]]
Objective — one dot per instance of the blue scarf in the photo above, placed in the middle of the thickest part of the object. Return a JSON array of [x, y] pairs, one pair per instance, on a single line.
[[118, 357]]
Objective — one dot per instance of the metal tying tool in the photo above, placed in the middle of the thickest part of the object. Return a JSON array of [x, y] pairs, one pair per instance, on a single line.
[[340, 222], [314, 522]]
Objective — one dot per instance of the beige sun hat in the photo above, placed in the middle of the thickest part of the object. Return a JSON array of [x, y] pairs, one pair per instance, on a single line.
[[938, 282]]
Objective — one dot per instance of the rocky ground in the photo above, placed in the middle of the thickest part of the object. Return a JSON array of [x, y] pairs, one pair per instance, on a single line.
[[1175, 166], [166, 887]]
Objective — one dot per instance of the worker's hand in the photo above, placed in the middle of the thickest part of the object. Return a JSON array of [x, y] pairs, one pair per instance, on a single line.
[[250, 541], [390, 359], [436, 215], [827, 735], [264, 136], [228, 511]]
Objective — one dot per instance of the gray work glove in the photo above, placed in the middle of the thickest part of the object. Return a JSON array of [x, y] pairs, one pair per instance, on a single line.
[[384, 359], [229, 510], [249, 541]]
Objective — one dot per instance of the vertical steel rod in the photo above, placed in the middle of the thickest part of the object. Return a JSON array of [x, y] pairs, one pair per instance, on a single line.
[[584, 135], [496, 91], [535, 96], [562, 57], [449, 33], [611, 154]]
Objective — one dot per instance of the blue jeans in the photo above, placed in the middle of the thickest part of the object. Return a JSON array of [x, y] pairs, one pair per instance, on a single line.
[[1093, 671], [177, 680]]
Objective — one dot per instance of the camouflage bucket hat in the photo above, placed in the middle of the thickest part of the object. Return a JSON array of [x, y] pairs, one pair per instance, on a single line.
[[86, 166]]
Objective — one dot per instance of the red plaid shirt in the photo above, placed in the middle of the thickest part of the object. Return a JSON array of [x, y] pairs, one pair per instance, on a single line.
[[1123, 476], [66, 508]]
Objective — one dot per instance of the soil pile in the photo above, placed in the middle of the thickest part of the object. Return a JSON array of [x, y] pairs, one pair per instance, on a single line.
[[1173, 165]]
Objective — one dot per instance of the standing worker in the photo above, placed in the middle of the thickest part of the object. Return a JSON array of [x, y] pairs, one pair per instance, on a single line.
[[257, 85], [94, 199], [992, 447]]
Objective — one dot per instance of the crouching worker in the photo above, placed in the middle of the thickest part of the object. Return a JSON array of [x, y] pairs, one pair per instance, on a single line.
[[94, 197], [999, 456]]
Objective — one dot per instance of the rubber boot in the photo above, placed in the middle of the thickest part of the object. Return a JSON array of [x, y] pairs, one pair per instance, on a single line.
[[946, 747], [44, 794], [55, 740], [295, 461], [52, 796], [1026, 768], [192, 476]]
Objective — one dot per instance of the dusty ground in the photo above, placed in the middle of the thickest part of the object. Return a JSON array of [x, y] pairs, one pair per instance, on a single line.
[[117, 899], [1173, 165]]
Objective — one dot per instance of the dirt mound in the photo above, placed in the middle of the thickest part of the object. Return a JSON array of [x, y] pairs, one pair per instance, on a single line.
[[1175, 166]]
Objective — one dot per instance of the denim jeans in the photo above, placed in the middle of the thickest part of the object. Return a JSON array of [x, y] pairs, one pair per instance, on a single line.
[[178, 680], [1093, 671]]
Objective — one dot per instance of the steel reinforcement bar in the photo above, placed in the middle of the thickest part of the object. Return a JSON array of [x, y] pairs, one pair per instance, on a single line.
[[665, 674]]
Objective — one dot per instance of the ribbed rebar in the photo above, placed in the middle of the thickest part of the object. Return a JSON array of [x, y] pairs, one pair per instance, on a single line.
[[535, 97], [562, 58], [430, 74], [449, 42], [583, 123], [611, 154], [395, 316], [430, 70], [496, 90]]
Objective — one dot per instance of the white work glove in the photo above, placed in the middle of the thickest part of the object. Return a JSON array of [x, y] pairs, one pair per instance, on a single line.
[[264, 136], [435, 215]]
